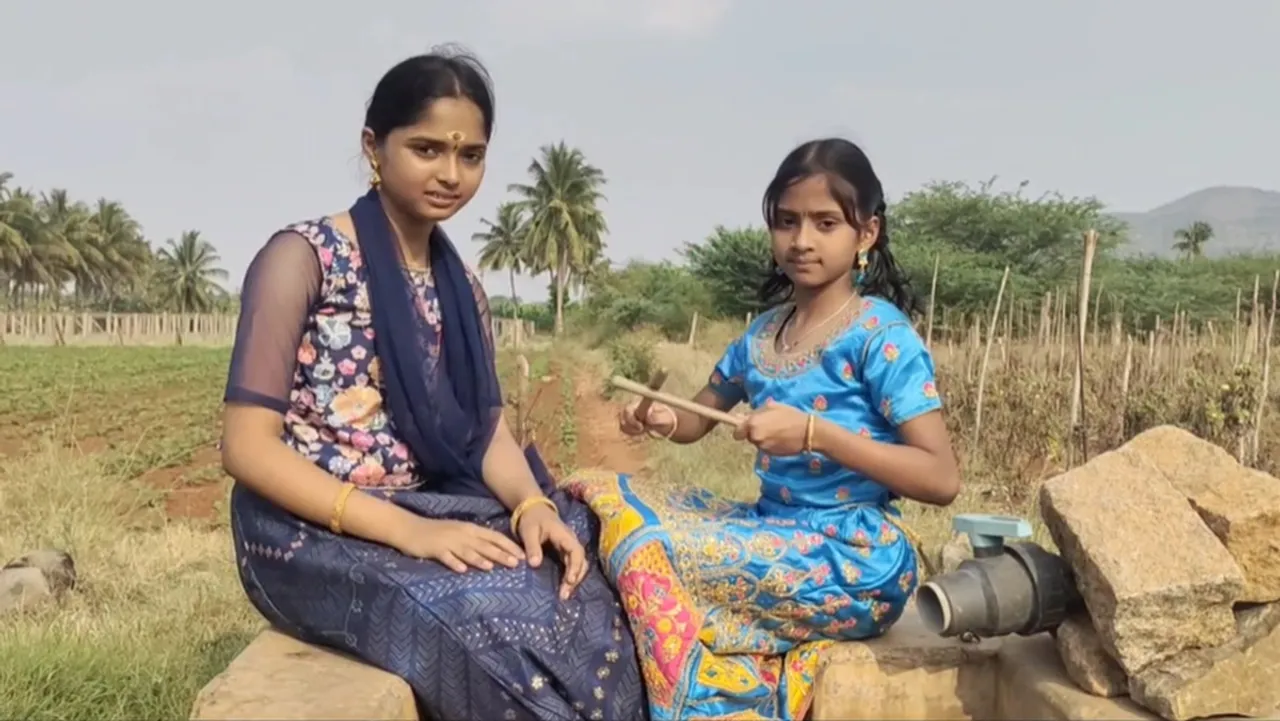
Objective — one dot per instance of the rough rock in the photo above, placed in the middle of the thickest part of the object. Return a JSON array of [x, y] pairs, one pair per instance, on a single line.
[[1240, 677], [1240, 505], [35, 578], [1155, 579], [1086, 661], [278, 677], [1034, 685], [57, 566], [22, 588]]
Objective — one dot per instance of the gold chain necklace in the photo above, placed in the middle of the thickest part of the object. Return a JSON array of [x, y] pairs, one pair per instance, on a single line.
[[788, 346]]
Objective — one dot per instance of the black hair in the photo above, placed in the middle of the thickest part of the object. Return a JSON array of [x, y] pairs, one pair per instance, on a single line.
[[856, 188], [409, 88]]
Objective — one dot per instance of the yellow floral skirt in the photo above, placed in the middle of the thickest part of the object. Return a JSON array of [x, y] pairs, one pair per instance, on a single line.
[[730, 605]]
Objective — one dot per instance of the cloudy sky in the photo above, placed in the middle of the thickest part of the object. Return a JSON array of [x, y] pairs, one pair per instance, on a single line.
[[236, 118]]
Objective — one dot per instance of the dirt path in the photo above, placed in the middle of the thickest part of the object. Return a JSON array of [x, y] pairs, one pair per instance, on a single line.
[[600, 443]]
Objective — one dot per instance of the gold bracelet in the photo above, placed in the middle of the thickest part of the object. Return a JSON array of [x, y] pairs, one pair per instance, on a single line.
[[340, 507], [808, 433], [675, 425], [525, 505]]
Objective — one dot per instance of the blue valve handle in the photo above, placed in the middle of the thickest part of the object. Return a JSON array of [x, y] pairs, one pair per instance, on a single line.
[[988, 532]]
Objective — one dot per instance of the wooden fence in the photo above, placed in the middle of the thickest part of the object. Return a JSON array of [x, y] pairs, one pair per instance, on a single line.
[[129, 329]]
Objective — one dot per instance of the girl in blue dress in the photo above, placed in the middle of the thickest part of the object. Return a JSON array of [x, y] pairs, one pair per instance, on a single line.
[[382, 505], [732, 602]]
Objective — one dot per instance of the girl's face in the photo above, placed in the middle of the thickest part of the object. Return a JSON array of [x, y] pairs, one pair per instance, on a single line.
[[813, 243], [431, 169]]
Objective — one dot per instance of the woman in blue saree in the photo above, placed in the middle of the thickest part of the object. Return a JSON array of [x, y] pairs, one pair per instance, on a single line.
[[382, 505]]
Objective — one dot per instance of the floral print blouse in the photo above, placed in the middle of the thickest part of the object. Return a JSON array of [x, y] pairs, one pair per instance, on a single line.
[[305, 347]]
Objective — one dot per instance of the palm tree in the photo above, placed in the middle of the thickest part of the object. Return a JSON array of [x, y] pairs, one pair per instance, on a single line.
[[67, 224], [50, 243], [121, 254], [1191, 239], [187, 274], [47, 225], [504, 246], [13, 246], [565, 230]]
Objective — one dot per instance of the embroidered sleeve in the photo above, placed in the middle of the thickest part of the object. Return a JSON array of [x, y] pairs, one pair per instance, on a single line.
[[279, 290], [728, 378], [899, 374]]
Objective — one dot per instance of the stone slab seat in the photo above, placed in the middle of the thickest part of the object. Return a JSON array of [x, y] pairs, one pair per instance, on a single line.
[[1033, 684], [278, 677], [909, 673]]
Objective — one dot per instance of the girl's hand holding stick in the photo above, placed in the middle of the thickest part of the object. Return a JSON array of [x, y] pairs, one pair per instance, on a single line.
[[697, 409]]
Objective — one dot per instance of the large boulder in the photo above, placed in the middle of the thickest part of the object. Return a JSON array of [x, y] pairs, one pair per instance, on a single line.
[[1240, 505], [1155, 579], [1240, 677]]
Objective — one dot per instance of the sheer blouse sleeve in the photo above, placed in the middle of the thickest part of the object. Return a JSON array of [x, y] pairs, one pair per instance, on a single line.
[[280, 288]]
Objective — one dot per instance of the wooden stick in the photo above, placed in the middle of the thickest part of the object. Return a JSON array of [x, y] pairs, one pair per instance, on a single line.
[[655, 383], [697, 409]]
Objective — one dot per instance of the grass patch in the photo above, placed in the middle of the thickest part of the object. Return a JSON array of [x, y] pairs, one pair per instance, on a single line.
[[157, 612]]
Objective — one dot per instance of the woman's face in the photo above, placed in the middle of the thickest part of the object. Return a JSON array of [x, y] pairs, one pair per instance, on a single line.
[[433, 168], [812, 242]]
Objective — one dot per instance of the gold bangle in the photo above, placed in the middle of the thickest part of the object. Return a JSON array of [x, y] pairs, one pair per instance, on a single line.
[[675, 425], [525, 505], [808, 433], [340, 507]]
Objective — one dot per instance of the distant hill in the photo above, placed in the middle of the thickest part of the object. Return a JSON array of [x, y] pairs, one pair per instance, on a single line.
[[1244, 220]]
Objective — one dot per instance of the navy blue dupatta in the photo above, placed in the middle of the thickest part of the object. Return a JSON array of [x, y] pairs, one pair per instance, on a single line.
[[443, 394]]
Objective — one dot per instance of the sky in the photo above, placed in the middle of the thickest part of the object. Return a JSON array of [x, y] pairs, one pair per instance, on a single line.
[[237, 118]]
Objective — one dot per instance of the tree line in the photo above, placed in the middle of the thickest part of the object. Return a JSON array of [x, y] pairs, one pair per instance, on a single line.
[[60, 253], [56, 252], [970, 234]]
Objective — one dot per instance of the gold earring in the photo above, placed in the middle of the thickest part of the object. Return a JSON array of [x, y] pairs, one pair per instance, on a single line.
[[375, 177], [862, 260]]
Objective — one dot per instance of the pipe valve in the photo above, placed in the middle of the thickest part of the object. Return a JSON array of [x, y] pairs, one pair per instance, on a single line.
[[1009, 586]]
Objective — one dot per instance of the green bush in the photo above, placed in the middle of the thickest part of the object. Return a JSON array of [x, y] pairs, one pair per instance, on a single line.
[[632, 356]]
